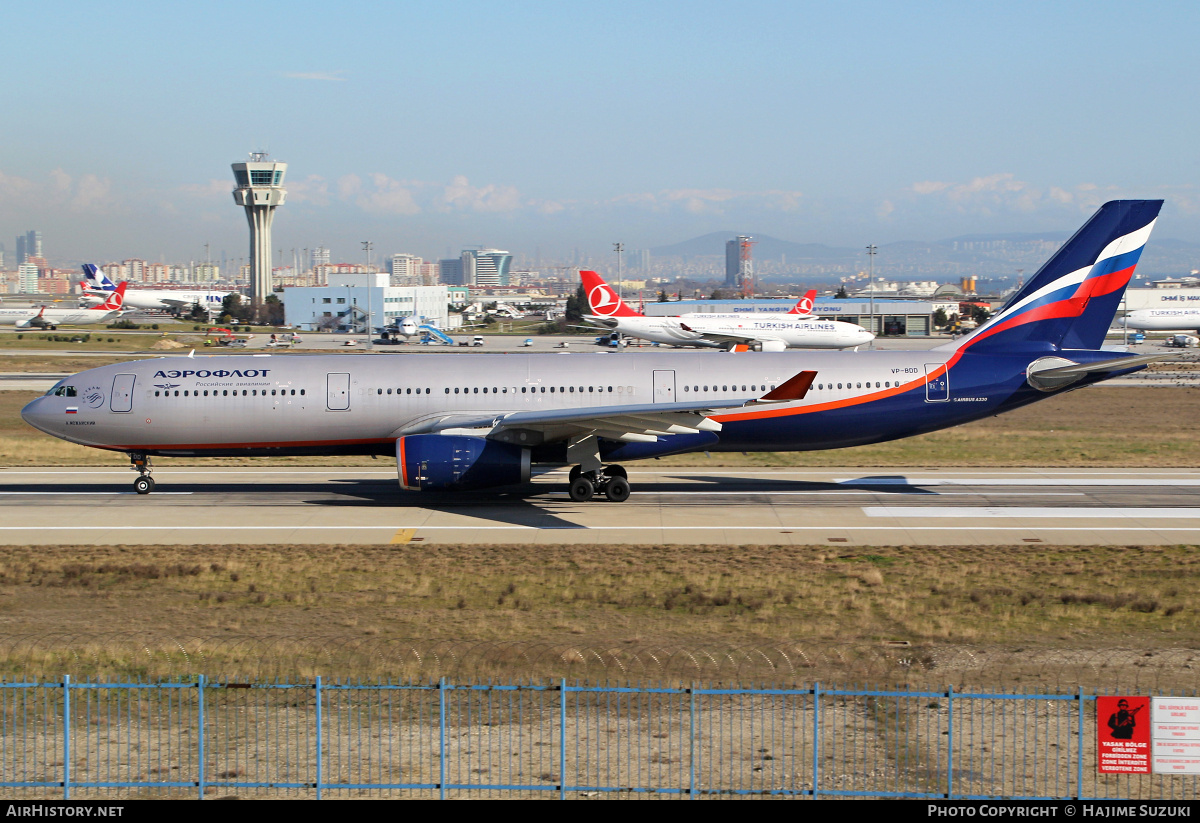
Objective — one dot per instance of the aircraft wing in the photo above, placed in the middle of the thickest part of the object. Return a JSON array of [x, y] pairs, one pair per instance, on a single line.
[[640, 422], [726, 338], [176, 303]]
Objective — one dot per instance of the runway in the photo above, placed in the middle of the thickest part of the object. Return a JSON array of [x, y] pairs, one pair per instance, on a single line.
[[844, 507]]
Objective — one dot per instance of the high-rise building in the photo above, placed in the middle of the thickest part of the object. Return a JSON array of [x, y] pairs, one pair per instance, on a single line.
[[135, 269], [319, 257], [405, 269], [486, 267], [260, 191], [27, 278], [451, 270], [739, 269]]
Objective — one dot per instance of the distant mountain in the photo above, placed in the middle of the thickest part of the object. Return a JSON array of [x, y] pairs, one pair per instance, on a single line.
[[976, 254]]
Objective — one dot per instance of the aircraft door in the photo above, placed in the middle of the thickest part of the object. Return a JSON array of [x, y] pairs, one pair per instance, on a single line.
[[664, 386], [937, 389], [337, 392], [121, 399]]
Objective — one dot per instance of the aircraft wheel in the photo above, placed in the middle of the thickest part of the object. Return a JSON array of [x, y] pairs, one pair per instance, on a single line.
[[616, 471], [143, 485], [617, 489], [582, 489], [576, 471]]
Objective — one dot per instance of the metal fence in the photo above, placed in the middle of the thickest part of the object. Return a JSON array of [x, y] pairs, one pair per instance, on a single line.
[[206, 738]]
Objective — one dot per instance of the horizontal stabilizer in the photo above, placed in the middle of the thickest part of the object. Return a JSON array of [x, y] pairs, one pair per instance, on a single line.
[[1048, 373]]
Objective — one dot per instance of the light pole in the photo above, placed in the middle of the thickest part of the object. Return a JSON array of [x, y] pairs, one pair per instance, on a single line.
[[871, 250], [367, 246], [618, 248]]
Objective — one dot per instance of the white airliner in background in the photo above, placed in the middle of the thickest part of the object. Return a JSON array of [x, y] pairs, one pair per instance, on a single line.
[[51, 317], [1163, 319], [762, 331], [97, 288]]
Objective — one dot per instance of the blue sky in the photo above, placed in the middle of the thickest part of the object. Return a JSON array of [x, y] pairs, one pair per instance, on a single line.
[[559, 126]]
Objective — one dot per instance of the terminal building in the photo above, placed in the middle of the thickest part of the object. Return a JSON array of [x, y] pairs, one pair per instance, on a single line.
[[892, 318], [347, 300]]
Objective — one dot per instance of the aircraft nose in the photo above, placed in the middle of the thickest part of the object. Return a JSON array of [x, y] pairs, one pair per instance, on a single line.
[[35, 414]]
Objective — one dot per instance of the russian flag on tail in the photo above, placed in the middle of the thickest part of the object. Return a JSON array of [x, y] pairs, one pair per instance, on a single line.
[[1072, 300]]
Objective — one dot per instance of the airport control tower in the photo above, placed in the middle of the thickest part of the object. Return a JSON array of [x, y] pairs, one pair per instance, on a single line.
[[260, 189]]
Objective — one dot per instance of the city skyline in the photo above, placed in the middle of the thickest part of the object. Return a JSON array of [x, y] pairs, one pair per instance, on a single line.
[[550, 128]]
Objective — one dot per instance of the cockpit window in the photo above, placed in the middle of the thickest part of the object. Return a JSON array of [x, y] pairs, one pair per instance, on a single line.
[[61, 391]]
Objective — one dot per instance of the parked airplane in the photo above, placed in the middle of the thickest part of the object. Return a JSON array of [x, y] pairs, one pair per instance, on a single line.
[[764, 331], [482, 421], [97, 287], [51, 317], [1163, 319]]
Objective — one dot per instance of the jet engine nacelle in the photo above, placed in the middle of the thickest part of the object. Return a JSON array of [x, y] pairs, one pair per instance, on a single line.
[[771, 345], [438, 462]]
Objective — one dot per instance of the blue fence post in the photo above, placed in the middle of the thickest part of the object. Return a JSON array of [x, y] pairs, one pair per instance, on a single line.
[[200, 736], [816, 741], [950, 742], [66, 736], [1079, 748], [562, 739], [319, 741], [442, 739], [692, 741]]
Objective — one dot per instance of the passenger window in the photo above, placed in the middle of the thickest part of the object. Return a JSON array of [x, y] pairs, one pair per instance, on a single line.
[[156, 394], [522, 390], [456, 390], [176, 392], [477, 390], [447, 391]]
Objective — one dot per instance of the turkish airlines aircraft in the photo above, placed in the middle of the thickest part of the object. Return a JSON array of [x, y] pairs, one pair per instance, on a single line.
[[98, 287], [1163, 319], [763, 331], [475, 421], [50, 317]]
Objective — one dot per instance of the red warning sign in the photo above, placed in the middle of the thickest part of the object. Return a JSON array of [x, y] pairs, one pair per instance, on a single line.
[[1122, 735]]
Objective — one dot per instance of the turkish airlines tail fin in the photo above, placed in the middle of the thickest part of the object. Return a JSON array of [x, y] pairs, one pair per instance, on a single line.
[[602, 300], [804, 305], [115, 300]]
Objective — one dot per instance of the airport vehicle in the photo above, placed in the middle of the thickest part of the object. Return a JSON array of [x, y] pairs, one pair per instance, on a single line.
[[51, 317], [483, 421], [1182, 341], [527, 342], [1181, 319], [477, 340], [217, 336], [762, 331], [97, 288]]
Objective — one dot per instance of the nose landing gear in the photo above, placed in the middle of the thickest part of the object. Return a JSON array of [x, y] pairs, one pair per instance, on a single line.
[[141, 464], [611, 481]]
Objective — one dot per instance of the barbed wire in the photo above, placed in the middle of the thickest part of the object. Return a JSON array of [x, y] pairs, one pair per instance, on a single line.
[[51, 655]]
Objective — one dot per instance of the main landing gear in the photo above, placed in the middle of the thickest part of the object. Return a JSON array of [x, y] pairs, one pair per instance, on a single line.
[[611, 481], [141, 464]]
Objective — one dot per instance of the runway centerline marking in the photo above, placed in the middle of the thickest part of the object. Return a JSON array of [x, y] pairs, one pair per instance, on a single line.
[[1013, 481]]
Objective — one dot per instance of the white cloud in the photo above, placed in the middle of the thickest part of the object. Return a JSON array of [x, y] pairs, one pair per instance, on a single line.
[[460, 195]]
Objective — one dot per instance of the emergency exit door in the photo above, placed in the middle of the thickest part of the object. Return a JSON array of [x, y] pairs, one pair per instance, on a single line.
[[337, 395], [664, 386]]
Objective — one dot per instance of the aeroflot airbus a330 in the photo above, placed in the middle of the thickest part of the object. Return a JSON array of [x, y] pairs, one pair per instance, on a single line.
[[483, 420]]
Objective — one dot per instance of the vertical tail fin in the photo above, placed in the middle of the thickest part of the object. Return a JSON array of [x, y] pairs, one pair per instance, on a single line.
[[1071, 301], [95, 279], [602, 300], [115, 300], [804, 306]]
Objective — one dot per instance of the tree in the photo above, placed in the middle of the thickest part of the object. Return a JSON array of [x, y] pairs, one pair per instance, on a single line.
[[273, 310], [198, 313], [662, 296], [841, 293], [979, 314], [939, 318], [577, 306]]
